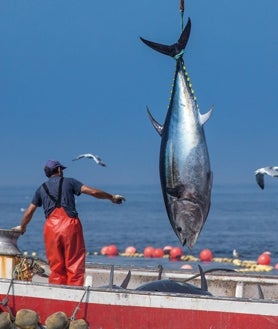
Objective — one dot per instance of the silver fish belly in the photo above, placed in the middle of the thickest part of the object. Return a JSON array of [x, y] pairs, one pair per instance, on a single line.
[[185, 173]]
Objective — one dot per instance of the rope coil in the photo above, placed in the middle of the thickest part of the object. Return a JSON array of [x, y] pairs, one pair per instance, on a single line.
[[25, 268]]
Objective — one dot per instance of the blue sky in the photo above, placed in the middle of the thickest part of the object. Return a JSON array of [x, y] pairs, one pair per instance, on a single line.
[[76, 78]]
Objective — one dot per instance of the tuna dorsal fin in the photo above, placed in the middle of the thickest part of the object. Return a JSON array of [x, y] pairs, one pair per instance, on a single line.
[[158, 127], [175, 50], [204, 117], [126, 280], [204, 285]]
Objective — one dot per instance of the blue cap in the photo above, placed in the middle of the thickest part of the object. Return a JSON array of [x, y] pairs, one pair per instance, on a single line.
[[51, 164]]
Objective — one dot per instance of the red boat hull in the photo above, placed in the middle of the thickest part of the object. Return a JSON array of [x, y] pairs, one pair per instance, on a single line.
[[110, 309]]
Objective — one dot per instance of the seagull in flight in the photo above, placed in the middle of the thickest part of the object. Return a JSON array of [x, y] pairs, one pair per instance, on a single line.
[[96, 158], [259, 173]]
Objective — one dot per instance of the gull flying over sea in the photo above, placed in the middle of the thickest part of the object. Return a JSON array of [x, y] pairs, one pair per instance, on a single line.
[[259, 173], [96, 158]]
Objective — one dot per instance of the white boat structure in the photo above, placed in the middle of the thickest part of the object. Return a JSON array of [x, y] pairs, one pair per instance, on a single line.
[[238, 301]]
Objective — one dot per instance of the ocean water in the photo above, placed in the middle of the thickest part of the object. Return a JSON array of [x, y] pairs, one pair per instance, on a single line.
[[242, 217]]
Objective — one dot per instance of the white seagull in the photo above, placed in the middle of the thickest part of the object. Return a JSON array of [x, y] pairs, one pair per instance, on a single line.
[[236, 254], [259, 173], [96, 158]]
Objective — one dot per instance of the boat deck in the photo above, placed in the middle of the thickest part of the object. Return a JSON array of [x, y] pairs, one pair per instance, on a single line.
[[220, 283]]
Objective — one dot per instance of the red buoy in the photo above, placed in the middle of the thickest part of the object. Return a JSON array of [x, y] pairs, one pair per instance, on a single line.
[[176, 253], [112, 250], [206, 255], [148, 251], [130, 250], [264, 259], [103, 250], [276, 266], [158, 253]]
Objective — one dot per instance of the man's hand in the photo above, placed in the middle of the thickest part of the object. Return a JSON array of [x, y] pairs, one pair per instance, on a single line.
[[117, 198], [18, 228]]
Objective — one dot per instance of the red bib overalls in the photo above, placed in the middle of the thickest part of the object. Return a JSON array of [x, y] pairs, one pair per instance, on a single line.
[[65, 248]]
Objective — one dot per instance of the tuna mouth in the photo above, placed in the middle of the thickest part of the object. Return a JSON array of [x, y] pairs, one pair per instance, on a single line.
[[179, 231], [188, 220]]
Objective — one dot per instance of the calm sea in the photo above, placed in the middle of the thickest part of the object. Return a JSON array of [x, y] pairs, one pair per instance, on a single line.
[[242, 217]]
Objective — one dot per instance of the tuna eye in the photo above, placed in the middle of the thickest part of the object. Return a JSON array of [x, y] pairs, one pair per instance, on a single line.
[[179, 229]]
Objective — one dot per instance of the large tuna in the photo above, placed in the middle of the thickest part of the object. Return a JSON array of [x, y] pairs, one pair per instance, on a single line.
[[185, 174]]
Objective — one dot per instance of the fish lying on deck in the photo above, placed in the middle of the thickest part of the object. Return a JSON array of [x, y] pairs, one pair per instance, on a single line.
[[173, 286], [185, 174]]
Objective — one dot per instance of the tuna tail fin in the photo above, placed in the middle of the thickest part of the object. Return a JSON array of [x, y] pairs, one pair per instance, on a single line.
[[175, 50]]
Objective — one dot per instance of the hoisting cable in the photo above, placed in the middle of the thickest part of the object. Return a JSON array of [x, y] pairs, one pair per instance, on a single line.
[[182, 12], [5, 301], [78, 305]]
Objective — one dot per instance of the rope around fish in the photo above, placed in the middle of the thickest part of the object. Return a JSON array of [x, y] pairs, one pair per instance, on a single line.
[[182, 12]]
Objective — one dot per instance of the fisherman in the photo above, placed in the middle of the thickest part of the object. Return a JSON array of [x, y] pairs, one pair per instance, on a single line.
[[63, 233]]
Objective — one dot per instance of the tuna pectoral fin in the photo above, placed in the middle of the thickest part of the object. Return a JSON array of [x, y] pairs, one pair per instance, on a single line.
[[158, 127], [175, 49], [176, 192]]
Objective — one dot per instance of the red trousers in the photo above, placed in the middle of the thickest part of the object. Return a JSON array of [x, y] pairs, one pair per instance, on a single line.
[[65, 248]]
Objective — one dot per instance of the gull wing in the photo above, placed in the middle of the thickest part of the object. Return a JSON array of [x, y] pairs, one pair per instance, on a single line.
[[260, 179], [79, 157]]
